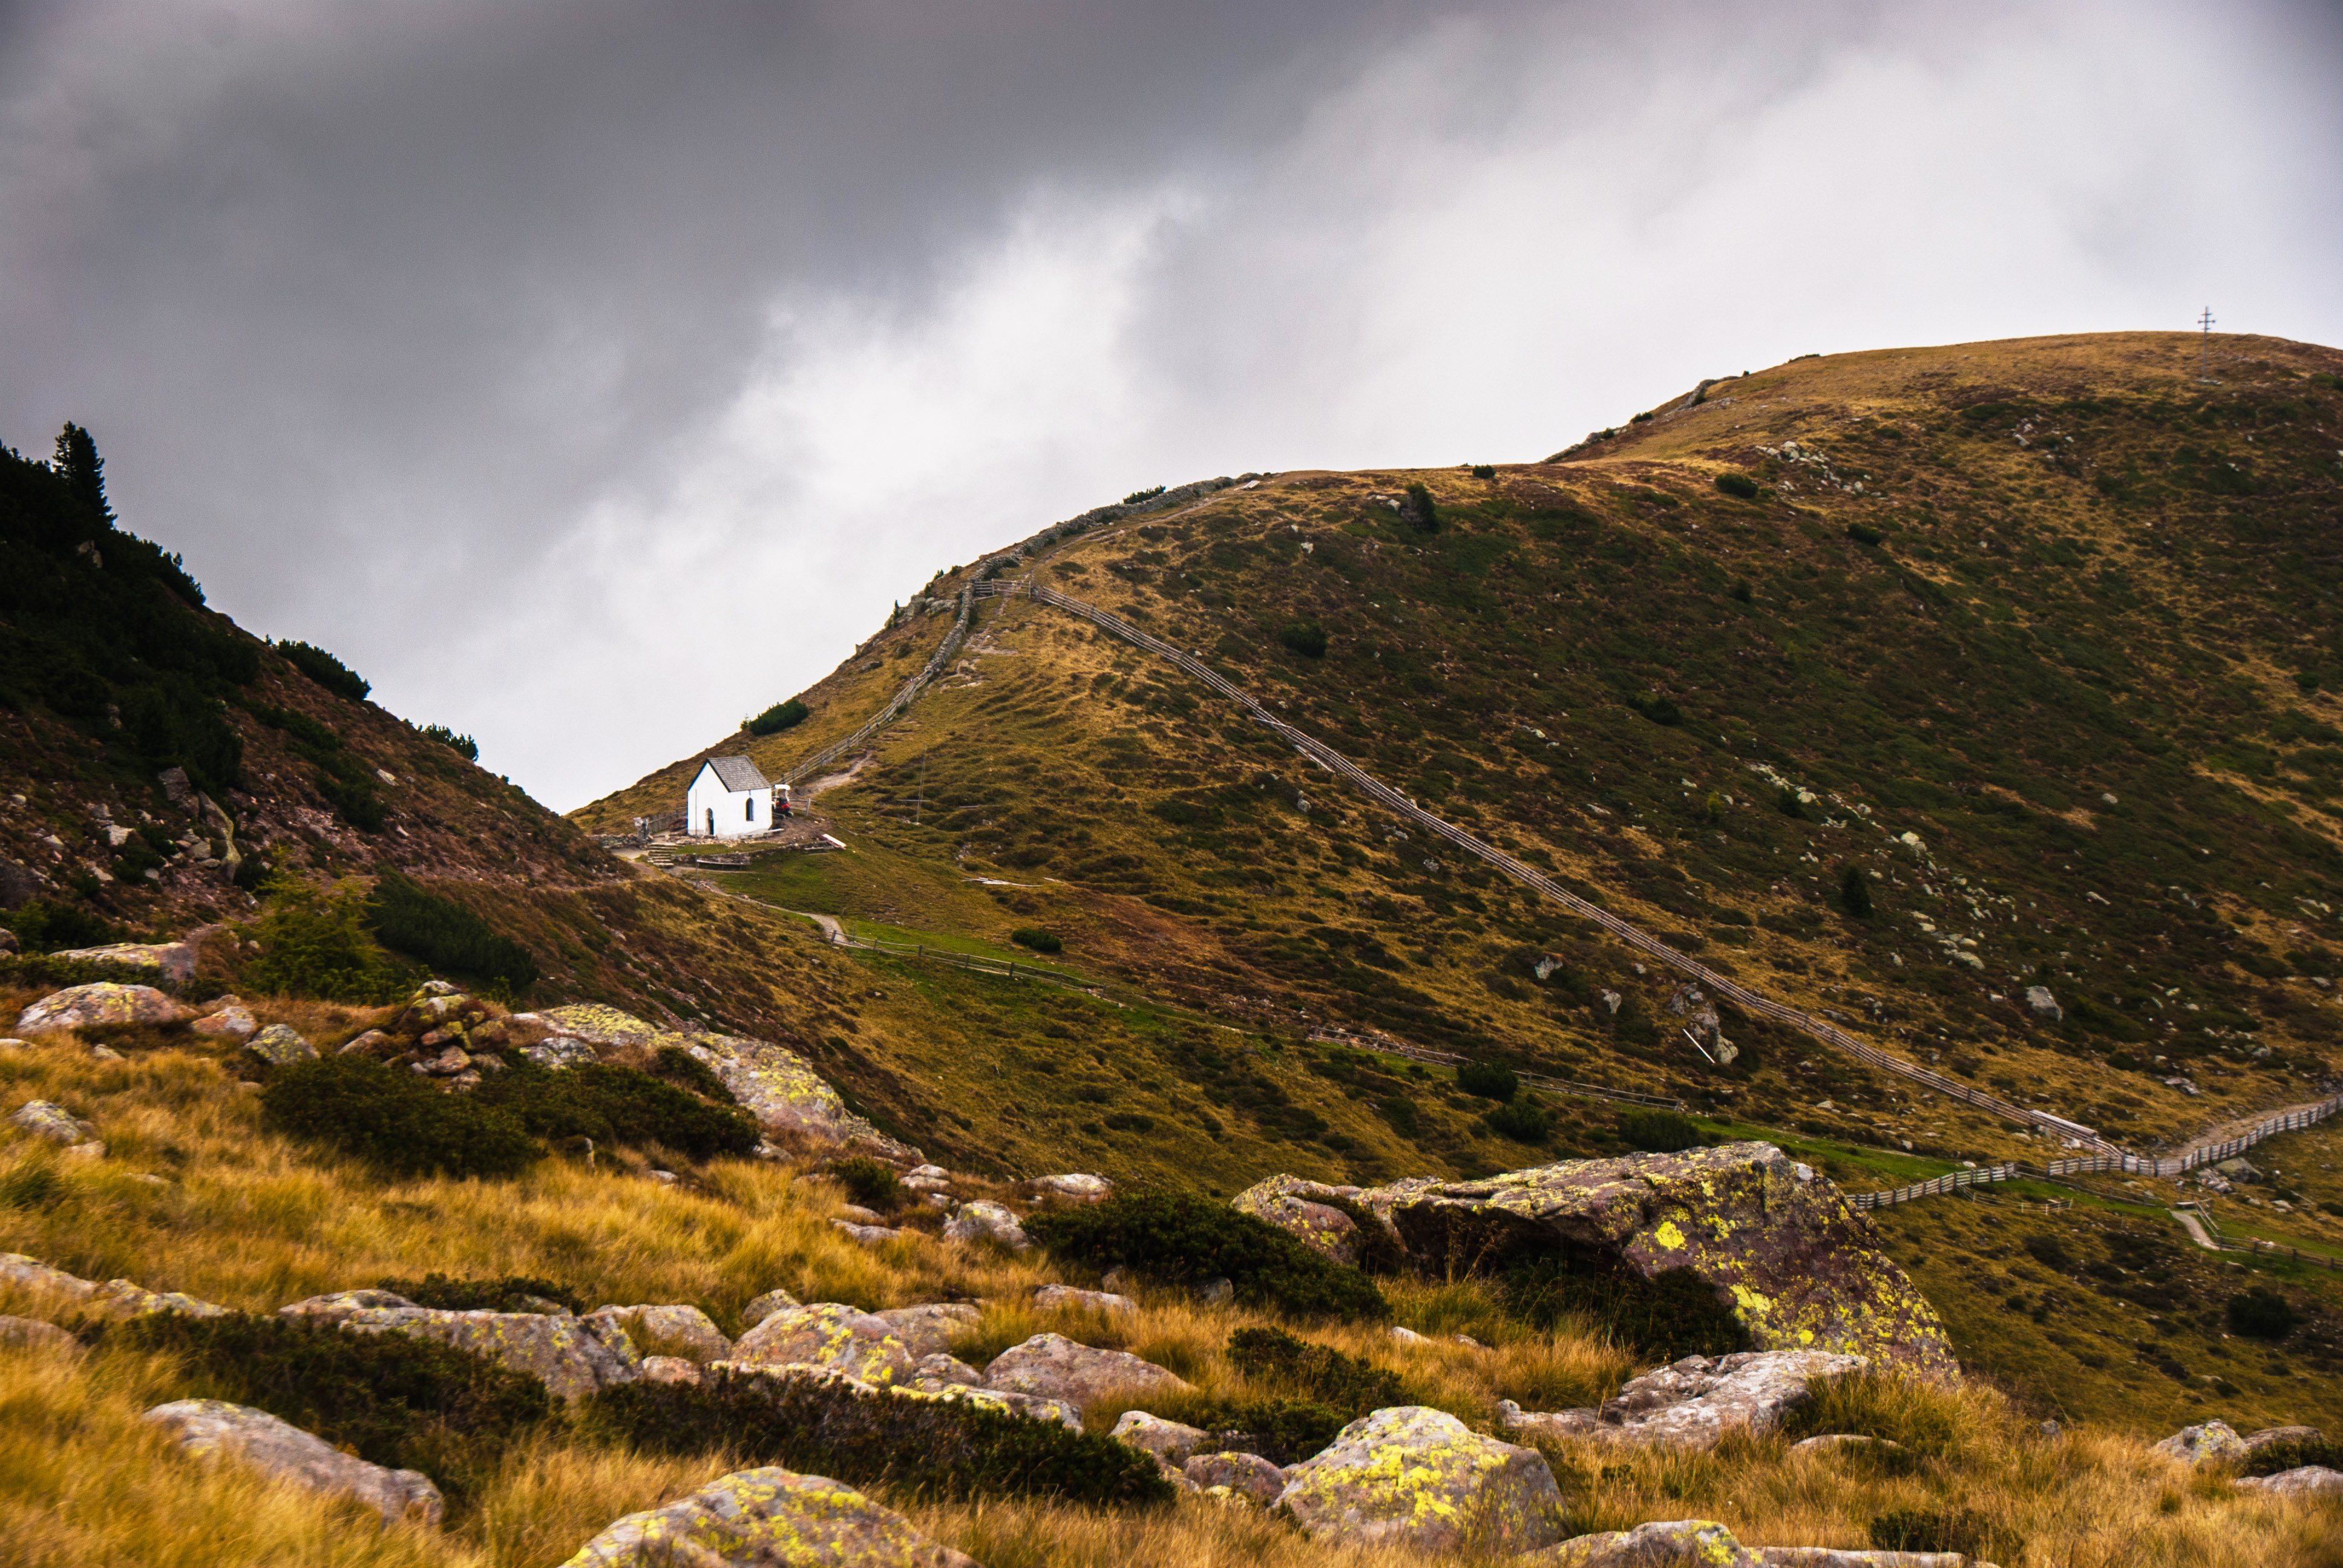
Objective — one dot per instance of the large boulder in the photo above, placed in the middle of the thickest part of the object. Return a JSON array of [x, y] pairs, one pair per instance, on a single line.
[[1416, 1477], [674, 1330], [1056, 1367], [175, 961], [1670, 1544], [1079, 1187], [567, 1354], [1694, 1402], [281, 1045], [31, 1333], [16, 1268], [2309, 1480], [1780, 1245], [929, 1330], [1246, 1475], [2270, 1436], [1168, 1440], [234, 1021], [1298, 1207], [210, 1428], [2215, 1442], [769, 1518], [830, 1335], [759, 1308], [1065, 1298], [102, 1002], [983, 1221]]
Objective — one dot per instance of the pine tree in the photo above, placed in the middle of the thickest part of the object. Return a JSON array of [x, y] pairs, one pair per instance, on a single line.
[[1854, 894], [83, 470]]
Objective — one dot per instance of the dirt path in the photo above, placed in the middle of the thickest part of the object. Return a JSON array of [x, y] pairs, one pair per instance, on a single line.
[[2195, 1229]]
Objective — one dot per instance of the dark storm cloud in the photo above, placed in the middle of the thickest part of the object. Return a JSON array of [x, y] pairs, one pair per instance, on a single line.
[[592, 374]]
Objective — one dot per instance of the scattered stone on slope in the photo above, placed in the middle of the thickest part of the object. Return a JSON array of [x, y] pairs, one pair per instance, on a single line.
[[829, 1334], [2213, 1441], [1693, 1403], [1168, 1440], [683, 1331], [670, 1369], [280, 1045], [2309, 1480], [2042, 1004], [232, 1021], [1417, 1477], [127, 1299], [209, 1428], [928, 1329], [1663, 1543], [559, 1053], [869, 1235], [175, 961], [984, 1221], [31, 1333], [1800, 1268], [1059, 1297], [102, 1002], [1837, 1442], [767, 1518], [759, 1308], [1843, 1557], [1056, 1367], [940, 1371], [1247, 1475], [563, 1353], [19, 1270], [1296, 1206], [47, 1119], [2266, 1436], [1081, 1188]]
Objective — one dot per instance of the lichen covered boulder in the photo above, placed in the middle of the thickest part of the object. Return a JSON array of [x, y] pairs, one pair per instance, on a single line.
[[1416, 1477], [673, 1330], [985, 1222], [830, 1335], [1246, 1475], [47, 1119], [769, 1518], [1169, 1441], [1695, 1403], [281, 1045], [173, 960], [1299, 1208], [1797, 1265], [211, 1428], [234, 1021], [929, 1330], [561, 1352], [2309, 1480], [1056, 1367], [1675, 1543], [101, 1002], [2213, 1442]]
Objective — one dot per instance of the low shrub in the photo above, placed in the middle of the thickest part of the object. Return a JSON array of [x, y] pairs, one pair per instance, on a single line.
[[314, 942], [1673, 1315], [1484, 470], [1136, 497], [2277, 1458], [1658, 1131], [326, 670], [56, 974], [1488, 1080], [617, 1105], [1863, 534], [1319, 1372], [932, 1447], [1185, 1239], [1854, 894], [871, 1183], [514, 1293], [463, 745], [393, 1120], [1741, 486], [1421, 511], [1374, 1249], [2261, 1314], [1306, 637], [44, 927], [781, 716], [398, 1400], [685, 1071], [1961, 1530], [1787, 802], [1040, 942], [445, 937], [1657, 709], [1524, 1120]]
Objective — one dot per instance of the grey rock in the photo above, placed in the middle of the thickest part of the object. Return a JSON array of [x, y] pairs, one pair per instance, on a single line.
[[1694, 1402], [559, 1052], [670, 1369], [860, 1215], [671, 1330], [1298, 1208], [1055, 1367], [832, 1336], [2256, 1441], [342, 1304], [47, 1119], [929, 1330], [280, 1045], [1216, 1292], [1067, 1297], [1033, 1407], [1663, 1543], [176, 961], [2214, 1441], [561, 1352], [869, 1235], [1248, 1475], [209, 1428], [1168, 1440], [937, 1373], [2042, 1004], [759, 1308], [2310, 1481], [769, 1518], [16, 1268], [31, 1333], [1839, 1442], [1081, 1188], [127, 1299], [1415, 1477], [233, 1021], [982, 1222]]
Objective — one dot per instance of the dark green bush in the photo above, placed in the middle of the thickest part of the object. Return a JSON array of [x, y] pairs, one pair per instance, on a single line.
[[1786, 803], [1962, 1530], [445, 937], [936, 1448], [1658, 1132], [1040, 942], [1657, 709], [392, 1119], [781, 716], [354, 797], [1863, 534], [1136, 497], [1854, 894], [1744, 592], [1673, 1315], [314, 942], [514, 1293], [1320, 1374], [1375, 1250], [1183, 1239], [617, 1105], [325, 669], [685, 1071], [1484, 470], [407, 1402], [1281, 1431], [1488, 1080], [1131, 1121], [1741, 486], [2277, 1458], [2261, 1314], [871, 1183], [1524, 1120], [44, 927], [1421, 511], [463, 745], [1306, 637]]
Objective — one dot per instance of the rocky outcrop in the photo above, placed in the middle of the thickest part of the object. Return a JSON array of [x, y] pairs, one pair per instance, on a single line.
[[1245, 1475], [281, 1045], [113, 1299], [1033, 1407], [928, 1329], [210, 1428], [1055, 1367], [564, 1352], [1168, 1440], [2269, 1436], [233, 1021], [833, 1335], [671, 1331], [1663, 1543], [2213, 1442], [175, 961], [1416, 1477], [940, 1371], [759, 1308], [1076, 1186], [2309, 1480], [1779, 1244], [102, 1002], [984, 1221], [1299, 1208], [755, 1518], [1694, 1402]]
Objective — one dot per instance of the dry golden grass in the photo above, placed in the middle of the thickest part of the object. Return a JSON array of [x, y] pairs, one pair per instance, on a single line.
[[252, 1221]]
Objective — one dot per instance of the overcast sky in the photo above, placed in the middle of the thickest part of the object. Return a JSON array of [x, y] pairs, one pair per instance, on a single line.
[[589, 376]]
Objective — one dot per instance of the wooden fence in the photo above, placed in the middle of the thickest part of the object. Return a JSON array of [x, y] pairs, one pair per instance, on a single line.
[[937, 662]]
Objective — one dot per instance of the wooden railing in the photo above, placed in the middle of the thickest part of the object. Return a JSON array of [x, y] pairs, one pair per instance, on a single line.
[[937, 661]]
